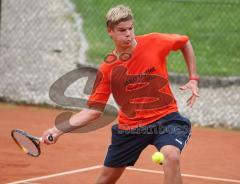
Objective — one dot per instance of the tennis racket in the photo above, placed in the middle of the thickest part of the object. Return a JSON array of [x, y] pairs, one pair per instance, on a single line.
[[29, 144]]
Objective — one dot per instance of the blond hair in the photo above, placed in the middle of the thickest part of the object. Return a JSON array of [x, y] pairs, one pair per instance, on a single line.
[[118, 14]]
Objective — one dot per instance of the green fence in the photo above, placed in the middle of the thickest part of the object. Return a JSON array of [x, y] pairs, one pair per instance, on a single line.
[[213, 27], [42, 40]]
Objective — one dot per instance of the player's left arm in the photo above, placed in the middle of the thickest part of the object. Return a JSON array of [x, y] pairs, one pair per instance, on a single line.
[[192, 84]]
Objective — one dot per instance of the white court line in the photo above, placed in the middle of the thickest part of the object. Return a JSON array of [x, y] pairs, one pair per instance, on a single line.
[[187, 175], [128, 168], [58, 174]]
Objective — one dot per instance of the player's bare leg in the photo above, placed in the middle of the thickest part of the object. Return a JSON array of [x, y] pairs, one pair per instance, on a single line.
[[110, 175], [171, 165]]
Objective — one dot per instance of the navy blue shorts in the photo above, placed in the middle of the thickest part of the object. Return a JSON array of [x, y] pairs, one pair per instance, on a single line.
[[127, 145]]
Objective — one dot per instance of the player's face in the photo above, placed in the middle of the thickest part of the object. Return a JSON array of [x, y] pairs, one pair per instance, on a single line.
[[123, 34]]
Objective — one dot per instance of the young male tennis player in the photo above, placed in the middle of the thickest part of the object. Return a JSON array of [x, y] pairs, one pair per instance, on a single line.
[[136, 74]]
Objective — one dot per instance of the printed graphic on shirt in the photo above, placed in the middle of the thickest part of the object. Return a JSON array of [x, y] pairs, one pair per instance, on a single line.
[[143, 93]]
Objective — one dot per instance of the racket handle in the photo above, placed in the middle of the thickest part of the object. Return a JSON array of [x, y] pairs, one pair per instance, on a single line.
[[50, 138]]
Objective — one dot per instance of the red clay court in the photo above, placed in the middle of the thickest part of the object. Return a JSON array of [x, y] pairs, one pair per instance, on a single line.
[[211, 156]]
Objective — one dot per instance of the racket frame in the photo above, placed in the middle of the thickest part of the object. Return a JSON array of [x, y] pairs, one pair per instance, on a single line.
[[35, 140]]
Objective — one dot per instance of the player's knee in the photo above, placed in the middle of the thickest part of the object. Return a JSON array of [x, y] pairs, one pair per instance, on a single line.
[[172, 159]]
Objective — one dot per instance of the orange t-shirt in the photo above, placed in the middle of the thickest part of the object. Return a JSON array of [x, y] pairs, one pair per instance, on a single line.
[[140, 84]]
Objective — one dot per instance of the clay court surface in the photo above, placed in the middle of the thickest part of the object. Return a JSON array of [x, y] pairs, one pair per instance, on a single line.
[[211, 156]]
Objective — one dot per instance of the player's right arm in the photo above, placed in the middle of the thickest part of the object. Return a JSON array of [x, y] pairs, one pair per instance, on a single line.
[[78, 120], [95, 107]]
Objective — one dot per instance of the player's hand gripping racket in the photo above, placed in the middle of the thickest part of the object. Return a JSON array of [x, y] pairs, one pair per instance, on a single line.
[[28, 143]]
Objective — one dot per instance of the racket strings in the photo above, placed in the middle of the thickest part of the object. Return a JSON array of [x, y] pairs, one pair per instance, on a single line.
[[26, 144]]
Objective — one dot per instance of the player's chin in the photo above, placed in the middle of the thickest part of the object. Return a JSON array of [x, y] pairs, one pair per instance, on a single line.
[[126, 44]]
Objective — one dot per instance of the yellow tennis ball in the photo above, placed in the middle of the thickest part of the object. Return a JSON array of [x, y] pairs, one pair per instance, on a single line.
[[158, 158]]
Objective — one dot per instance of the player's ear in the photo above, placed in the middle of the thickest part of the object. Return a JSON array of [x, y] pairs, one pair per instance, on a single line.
[[110, 31]]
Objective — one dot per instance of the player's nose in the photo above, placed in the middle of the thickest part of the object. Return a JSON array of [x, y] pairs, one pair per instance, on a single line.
[[128, 33]]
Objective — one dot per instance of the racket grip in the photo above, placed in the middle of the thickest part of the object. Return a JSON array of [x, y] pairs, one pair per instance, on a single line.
[[50, 138]]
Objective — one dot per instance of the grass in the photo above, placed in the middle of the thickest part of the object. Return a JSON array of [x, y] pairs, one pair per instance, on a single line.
[[212, 27]]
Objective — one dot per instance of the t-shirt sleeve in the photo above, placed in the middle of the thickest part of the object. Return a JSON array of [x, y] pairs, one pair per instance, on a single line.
[[168, 42], [100, 91], [177, 41]]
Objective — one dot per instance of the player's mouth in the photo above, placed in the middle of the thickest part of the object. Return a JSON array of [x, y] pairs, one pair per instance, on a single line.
[[128, 42]]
